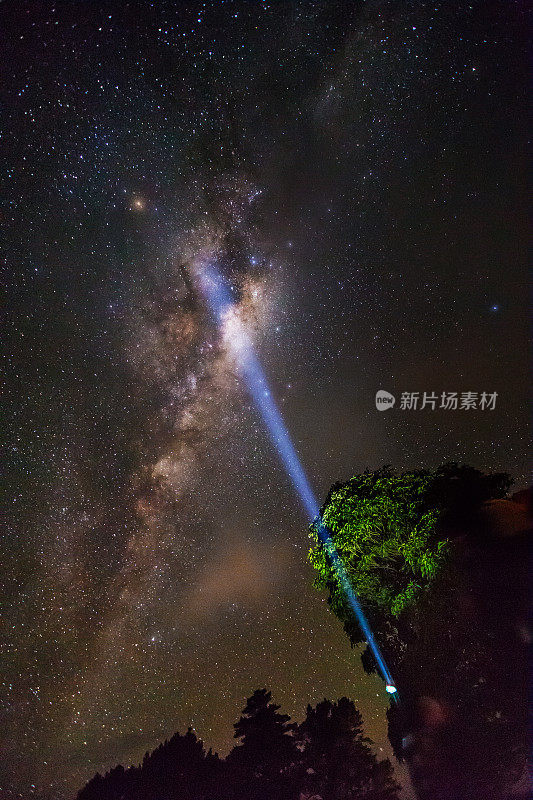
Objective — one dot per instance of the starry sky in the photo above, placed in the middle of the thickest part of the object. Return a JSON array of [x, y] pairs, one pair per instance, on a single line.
[[356, 171]]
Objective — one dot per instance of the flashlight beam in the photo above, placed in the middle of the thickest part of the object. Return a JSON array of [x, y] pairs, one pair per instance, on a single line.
[[219, 298]]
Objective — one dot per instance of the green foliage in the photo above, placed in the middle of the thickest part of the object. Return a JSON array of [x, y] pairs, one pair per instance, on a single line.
[[384, 527], [385, 533]]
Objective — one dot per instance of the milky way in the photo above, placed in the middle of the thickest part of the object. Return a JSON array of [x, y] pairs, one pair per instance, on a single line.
[[355, 169]]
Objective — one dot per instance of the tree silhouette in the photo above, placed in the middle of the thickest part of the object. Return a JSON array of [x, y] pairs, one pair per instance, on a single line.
[[179, 769], [337, 762], [114, 784], [325, 758], [263, 762]]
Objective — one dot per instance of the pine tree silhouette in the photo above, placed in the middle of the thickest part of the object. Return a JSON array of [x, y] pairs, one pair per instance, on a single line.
[[261, 766], [336, 760]]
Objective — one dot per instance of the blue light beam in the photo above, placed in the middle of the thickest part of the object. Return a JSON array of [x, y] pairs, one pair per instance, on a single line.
[[218, 295]]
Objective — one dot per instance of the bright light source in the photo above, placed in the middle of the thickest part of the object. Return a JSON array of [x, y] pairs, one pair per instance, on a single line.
[[390, 688]]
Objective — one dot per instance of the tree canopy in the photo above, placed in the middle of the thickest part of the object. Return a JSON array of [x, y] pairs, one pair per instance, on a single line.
[[385, 527], [446, 597]]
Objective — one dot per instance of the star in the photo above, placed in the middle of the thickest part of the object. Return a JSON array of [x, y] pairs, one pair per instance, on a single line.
[[154, 566]]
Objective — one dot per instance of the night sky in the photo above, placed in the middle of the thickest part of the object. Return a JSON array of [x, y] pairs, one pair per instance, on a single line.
[[356, 170]]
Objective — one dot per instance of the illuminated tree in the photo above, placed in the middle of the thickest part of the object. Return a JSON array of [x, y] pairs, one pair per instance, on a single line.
[[435, 580], [386, 536], [386, 530]]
